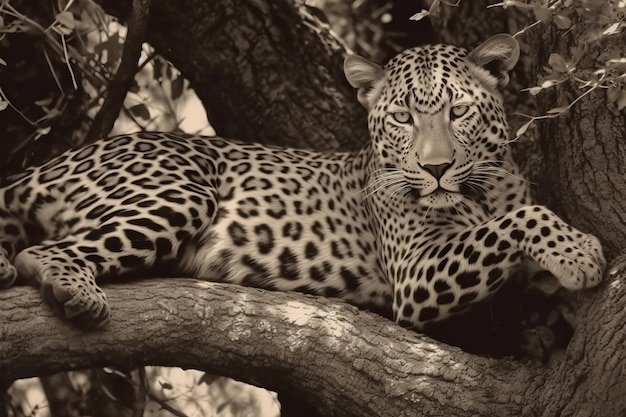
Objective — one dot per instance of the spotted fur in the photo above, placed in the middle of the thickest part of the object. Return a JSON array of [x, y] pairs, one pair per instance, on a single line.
[[429, 218]]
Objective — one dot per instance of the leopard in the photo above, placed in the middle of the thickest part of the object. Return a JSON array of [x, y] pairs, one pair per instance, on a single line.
[[429, 217]]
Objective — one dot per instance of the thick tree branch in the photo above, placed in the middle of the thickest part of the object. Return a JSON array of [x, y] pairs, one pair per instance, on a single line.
[[348, 362]]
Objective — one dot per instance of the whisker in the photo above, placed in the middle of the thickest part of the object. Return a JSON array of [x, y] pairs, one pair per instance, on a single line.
[[388, 179], [381, 187], [499, 167]]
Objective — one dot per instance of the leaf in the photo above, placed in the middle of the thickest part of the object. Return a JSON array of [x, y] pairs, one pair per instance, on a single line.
[[420, 15], [562, 22], [48, 118], [435, 7], [177, 87], [593, 34], [613, 93], [542, 12], [3, 62], [547, 84], [558, 110], [523, 128], [16, 26], [3, 104], [166, 385], [157, 70], [617, 95], [208, 379], [613, 29], [140, 110], [222, 406], [557, 62], [621, 101], [44, 102], [535, 90], [113, 48], [66, 19], [42, 132]]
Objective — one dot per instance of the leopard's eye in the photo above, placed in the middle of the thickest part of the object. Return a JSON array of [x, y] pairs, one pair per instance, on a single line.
[[403, 117], [458, 111]]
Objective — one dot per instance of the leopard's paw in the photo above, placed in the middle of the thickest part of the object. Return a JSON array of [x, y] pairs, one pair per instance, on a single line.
[[77, 299], [579, 264], [8, 273]]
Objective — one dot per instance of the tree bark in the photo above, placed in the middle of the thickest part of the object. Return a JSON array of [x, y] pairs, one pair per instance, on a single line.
[[583, 151], [344, 361], [266, 71]]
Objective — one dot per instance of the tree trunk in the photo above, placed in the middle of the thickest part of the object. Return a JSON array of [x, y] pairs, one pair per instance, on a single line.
[[266, 71], [344, 361], [584, 150]]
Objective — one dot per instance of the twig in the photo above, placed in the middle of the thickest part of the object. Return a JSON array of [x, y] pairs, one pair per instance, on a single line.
[[67, 62]]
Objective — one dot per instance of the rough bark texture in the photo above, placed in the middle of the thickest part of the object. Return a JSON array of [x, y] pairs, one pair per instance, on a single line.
[[266, 71], [587, 162], [345, 361], [584, 151]]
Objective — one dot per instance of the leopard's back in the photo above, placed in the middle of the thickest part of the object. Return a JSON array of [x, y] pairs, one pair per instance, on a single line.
[[210, 208]]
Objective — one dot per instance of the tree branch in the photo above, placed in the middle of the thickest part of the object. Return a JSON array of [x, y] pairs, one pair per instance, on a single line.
[[329, 351], [345, 361], [122, 80]]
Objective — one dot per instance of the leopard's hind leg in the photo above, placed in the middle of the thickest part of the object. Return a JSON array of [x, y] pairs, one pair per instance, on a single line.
[[8, 273], [142, 236], [65, 272], [12, 239]]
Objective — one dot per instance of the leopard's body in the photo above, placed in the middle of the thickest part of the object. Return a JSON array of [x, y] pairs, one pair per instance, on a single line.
[[427, 219]]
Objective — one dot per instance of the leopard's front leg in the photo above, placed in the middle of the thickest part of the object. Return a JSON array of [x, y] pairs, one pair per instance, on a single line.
[[466, 265], [573, 257]]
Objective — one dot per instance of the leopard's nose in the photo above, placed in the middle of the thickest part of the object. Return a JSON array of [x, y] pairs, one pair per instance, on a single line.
[[438, 170]]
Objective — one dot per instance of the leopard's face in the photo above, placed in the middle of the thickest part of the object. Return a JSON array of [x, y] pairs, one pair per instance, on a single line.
[[437, 125]]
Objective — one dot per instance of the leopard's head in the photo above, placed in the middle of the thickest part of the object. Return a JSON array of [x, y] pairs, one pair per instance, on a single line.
[[436, 119]]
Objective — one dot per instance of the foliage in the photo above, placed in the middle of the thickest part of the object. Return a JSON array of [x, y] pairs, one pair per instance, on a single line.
[[597, 25], [377, 29], [168, 392], [49, 96]]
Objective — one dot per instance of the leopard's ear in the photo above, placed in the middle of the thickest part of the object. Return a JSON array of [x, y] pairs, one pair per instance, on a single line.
[[498, 55], [363, 75]]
